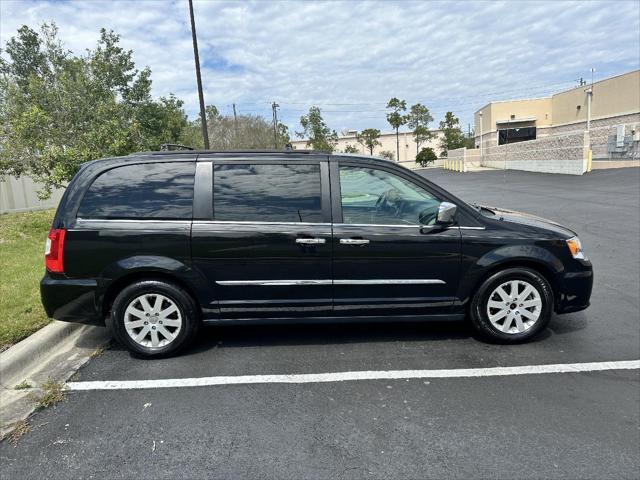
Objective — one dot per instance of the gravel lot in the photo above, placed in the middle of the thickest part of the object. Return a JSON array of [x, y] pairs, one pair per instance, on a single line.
[[569, 425]]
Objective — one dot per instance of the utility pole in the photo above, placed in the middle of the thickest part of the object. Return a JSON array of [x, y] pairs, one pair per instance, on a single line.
[[235, 122], [274, 108], [203, 115]]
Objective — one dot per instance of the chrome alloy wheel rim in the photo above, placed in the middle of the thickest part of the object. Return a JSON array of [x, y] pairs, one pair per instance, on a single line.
[[152, 320], [514, 307]]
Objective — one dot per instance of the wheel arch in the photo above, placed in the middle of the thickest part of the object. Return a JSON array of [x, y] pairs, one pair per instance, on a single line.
[[112, 291], [536, 258], [539, 267]]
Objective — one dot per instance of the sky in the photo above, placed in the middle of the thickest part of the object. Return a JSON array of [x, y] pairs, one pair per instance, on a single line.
[[350, 57]]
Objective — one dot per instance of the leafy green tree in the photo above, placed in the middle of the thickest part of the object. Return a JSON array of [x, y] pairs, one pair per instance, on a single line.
[[26, 55], [319, 135], [58, 110], [396, 119], [452, 134], [426, 156], [418, 120], [388, 154], [368, 138], [283, 134], [351, 149]]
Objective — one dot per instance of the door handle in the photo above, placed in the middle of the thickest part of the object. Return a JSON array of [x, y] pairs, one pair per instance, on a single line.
[[310, 241], [353, 241]]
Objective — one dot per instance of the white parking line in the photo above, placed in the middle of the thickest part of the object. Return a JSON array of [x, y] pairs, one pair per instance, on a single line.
[[353, 376]]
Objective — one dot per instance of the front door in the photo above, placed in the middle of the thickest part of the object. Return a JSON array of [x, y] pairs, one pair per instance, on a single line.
[[385, 263], [267, 250]]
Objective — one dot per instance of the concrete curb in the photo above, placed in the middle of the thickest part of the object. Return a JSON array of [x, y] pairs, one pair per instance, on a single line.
[[20, 357], [54, 352]]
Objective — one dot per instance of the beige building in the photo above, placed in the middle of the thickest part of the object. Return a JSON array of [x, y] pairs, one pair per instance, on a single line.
[[609, 110], [388, 141]]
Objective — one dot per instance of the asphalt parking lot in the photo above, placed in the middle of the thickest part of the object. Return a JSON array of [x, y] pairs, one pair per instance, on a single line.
[[564, 425]]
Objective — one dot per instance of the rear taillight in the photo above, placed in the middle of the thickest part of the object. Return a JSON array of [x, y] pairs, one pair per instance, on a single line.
[[54, 249]]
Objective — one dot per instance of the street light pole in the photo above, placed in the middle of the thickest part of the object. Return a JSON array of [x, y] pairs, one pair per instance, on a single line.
[[589, 99], [481, 157], [203, 116]]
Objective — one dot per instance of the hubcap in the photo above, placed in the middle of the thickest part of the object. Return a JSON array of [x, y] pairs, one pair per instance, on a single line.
[[152, 320], [514, 306]]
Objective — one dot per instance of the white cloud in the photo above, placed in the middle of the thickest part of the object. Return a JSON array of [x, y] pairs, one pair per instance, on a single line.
[[449, 55]]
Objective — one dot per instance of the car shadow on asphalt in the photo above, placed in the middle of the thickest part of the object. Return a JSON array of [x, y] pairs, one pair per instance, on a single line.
[[568, 323], [346, 333], [327, 334], [238, 336]]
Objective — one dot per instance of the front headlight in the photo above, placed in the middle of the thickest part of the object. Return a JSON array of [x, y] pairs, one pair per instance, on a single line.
[[575, 247]]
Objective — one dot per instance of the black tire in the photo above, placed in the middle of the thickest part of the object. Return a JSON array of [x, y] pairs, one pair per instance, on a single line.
[[478, 309], [187, 308]]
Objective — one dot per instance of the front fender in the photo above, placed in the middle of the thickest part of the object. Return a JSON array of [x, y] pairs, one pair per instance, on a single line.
[[508, 253], [476, 268]]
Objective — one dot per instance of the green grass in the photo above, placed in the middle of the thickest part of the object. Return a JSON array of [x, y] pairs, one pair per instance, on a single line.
[[52, 393], [23, 385], [22, 237]]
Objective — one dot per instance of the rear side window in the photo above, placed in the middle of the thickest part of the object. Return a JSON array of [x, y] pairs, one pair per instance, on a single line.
[[151, 190], [267, 193]]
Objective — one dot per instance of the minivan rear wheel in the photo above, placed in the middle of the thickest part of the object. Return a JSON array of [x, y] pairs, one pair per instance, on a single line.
[[512, 305], [153, 318]]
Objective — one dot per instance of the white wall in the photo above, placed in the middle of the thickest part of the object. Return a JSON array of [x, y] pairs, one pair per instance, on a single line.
[[567, 153], [20, 195]]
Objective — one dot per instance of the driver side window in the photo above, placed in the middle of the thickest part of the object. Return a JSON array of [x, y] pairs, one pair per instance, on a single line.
[[371, 196]]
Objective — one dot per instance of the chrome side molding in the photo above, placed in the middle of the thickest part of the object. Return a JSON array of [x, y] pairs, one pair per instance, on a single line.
[[271, 283], [310, 241], [354, 241], [393, 281], [284, 283]]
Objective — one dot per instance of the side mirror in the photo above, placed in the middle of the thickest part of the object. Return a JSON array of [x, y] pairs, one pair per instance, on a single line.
[[446, 216], [446, 213]]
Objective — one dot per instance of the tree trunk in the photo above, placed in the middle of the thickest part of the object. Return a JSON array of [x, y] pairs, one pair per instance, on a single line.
[[397, 145]]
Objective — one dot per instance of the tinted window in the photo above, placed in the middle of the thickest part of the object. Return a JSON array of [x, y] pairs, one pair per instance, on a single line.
[[371, 196], [152, 190], [267, 193]]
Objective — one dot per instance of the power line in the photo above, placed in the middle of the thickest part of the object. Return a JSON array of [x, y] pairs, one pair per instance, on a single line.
[[528, 88], [438, 106]]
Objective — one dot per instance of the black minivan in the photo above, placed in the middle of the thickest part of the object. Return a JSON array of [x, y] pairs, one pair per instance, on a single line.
[[161, 243]]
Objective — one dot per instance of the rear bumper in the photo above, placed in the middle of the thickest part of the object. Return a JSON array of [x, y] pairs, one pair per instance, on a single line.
[[70, 300], [576, 291]]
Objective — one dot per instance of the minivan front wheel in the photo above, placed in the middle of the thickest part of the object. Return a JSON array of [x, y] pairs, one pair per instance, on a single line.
[[153, 318], [512, 305]]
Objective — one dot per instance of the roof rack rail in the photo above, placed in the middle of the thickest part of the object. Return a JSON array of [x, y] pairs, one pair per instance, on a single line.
[[169, 147], [230, 152]]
